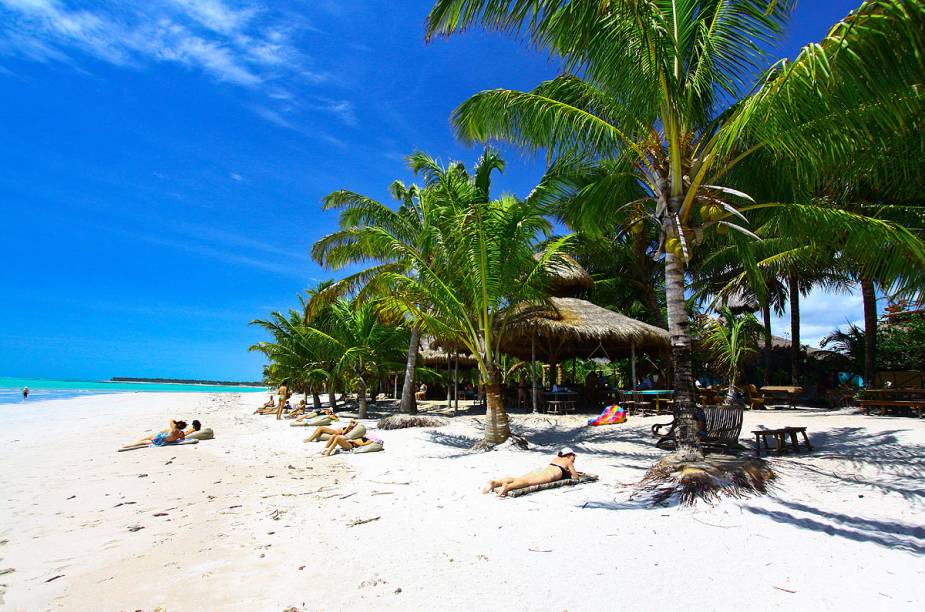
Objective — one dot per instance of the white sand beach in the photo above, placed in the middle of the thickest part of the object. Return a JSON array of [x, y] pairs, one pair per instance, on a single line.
[[257, 520]]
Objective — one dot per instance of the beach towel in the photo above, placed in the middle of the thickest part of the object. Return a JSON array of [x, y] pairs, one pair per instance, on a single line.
[[583, 478], [357, 432], [318, 421], [202, 434], [182, 442], [611, 415]]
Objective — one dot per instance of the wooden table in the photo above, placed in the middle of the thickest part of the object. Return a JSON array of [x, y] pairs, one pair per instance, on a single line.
[[780, 439], [561, 402], [789, 394]]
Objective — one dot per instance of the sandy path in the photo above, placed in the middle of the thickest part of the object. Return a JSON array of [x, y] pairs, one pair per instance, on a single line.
[[244, 531]]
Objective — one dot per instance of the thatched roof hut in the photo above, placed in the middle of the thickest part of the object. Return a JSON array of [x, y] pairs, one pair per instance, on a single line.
[[578, 328], [567, 277], [433, 354]]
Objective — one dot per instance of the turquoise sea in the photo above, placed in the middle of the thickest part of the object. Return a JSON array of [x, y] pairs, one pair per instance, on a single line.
[[46, 389]]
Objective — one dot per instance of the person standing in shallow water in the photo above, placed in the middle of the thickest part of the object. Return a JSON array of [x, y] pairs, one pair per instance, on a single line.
[[25, 393]]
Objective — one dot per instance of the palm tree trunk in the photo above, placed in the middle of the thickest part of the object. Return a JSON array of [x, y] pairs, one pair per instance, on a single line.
[[316, 400], [361, 392], [793, 281], [870, 332], [408, 404], [679, 328], [766, 314], [332, 400], [497, 427]]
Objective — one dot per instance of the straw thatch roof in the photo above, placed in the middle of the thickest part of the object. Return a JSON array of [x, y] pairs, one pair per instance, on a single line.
[[432, 355], [567, 277], [578, 328]]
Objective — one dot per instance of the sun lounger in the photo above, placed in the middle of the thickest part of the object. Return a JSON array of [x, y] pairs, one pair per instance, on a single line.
[[182, 442], [583, 478]]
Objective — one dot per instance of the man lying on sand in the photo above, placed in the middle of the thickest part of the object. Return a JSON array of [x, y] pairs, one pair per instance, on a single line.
[[331, 431], [561, 468], [339, 441], [271, 403], [299, 409], [173, 433]]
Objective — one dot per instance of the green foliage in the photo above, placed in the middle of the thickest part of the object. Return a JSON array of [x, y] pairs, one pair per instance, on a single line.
[[900, 343], [729, 339]]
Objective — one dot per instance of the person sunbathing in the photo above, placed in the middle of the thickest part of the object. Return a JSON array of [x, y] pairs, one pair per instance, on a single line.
[[310, 415], [299, 409], [173, 433], [340, 441], [562, 467], [331, 431], [271, 403]]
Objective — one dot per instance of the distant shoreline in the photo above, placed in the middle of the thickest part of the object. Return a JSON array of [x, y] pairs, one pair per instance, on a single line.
[[185, 381]]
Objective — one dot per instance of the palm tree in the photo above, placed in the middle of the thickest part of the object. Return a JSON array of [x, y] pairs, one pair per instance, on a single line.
[[365, 345], [653, 103], [731, 339], [294, 354], [487, 281], [392, 240]]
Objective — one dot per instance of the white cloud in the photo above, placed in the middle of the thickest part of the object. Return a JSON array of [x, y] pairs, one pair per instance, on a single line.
[[237, 42], [821, 312], [229, 43], [235, 176]]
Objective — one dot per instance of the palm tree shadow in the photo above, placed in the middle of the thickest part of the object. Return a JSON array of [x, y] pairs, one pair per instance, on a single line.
[[897, 465], [903, 536]]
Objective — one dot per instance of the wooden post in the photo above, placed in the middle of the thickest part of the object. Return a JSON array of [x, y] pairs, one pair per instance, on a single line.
[[449, 396], [456, 384], [633, 364], [533, 372]]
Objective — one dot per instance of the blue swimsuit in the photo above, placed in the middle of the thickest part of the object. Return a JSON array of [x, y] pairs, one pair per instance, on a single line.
[[160, 439]]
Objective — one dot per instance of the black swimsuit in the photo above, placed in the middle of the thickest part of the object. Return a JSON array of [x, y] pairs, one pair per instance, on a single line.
[[565, 473]]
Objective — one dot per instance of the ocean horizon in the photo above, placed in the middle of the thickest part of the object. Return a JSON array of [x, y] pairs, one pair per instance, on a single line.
[[41, 389]]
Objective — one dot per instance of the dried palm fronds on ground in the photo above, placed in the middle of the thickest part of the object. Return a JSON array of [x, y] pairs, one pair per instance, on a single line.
[[710, 479], [403, 421]]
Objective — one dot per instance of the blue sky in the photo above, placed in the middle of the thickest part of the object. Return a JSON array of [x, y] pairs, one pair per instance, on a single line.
[[163, 163]]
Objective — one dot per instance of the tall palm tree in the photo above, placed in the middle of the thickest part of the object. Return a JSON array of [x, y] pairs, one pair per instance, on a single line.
[[373, 232], [675, 94], [487, 281]]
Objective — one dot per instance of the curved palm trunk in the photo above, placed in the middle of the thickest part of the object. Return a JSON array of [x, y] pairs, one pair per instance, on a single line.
[[316, 400], [361, 392], [679, 329], [408, 404], [497, 427], [794, 329], [870, 332]]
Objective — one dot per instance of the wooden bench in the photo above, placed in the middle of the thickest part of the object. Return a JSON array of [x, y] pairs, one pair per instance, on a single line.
[[780, 439], [560, 406], [884, 405], [724, 424]]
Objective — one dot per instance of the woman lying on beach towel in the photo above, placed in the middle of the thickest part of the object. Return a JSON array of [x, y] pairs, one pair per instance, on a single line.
[[173, 433], [561, 467], [340, 441], [341, 431], [314, 413]]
